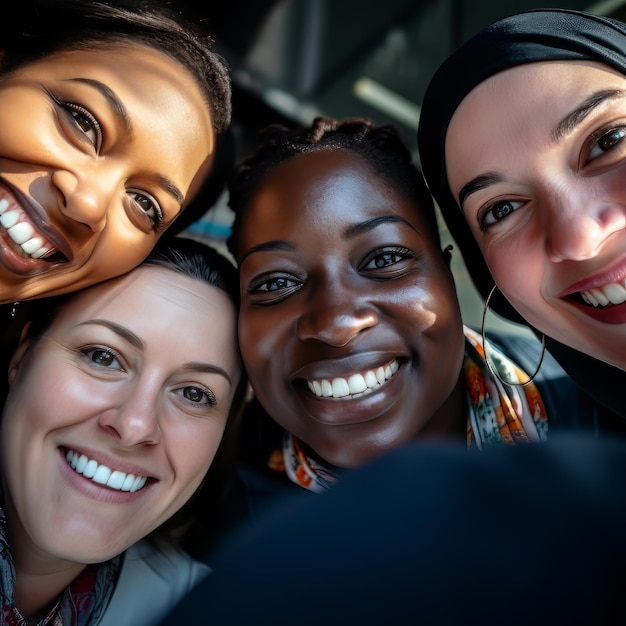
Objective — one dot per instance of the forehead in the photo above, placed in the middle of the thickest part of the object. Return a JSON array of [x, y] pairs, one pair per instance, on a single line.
[[518, 110], [149, 301], [323, 187], [554, 86]]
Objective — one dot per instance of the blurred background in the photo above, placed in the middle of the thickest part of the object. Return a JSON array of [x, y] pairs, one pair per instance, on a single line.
[[292, 60]]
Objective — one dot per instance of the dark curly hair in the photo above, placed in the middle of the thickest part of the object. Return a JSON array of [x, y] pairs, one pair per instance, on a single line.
[[379, 145], [38, 28]]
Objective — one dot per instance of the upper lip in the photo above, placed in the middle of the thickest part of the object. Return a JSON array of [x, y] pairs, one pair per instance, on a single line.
[[614, 274], [112, 462], [344, 367], [38, 218]]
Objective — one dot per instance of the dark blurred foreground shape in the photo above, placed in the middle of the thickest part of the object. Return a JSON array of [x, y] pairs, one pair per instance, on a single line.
[[434, 534]]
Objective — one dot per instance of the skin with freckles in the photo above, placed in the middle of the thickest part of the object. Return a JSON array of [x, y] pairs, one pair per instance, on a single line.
[[95, 164], [536, 156], [341, 281], [127, 393]]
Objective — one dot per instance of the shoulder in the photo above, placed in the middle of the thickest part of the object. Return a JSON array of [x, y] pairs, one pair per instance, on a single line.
[[152, 580]]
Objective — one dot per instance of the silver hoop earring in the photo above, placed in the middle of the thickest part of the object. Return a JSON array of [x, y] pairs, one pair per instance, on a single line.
[[14, 309], [492, 369]]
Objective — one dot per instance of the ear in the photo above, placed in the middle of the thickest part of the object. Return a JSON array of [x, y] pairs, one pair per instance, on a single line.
[[20, 351]]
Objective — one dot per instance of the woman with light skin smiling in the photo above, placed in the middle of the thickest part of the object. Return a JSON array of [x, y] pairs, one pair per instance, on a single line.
[[122, 398], [522, 140], [110, 121]]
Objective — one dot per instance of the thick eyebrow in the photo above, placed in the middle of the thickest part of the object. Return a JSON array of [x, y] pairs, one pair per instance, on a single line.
[[362, 227], [124, 333], [565, 127], [350, 231], [478, 183], [121, 113], [569, 123], [207, 368], [269, 246], [116, 105], [135, 341]]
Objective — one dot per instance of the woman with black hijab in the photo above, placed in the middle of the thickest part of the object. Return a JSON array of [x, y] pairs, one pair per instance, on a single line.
[[522, 140]]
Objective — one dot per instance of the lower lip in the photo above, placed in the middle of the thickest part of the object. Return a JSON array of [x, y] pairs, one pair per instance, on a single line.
[[15, 262], [94, 491], [352, 410], [615, 314]]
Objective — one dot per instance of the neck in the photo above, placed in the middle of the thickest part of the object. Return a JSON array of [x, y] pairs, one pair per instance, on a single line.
[[450, 420]]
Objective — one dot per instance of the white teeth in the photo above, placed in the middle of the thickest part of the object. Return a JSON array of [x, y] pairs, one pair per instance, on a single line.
[[614, 293], [355, 384], [104, 475], [22, 233], [9, 218], [340, 388]]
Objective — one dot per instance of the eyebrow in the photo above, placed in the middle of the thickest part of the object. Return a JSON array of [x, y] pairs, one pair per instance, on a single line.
[[121, 113], [135, 341], [206, 368], [564, 128], [350, 231], [569, 123], [362, 227], [123, 332], [478, 183]]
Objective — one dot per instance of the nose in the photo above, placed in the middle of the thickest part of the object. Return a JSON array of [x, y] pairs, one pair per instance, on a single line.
[[577, 226], [336, 321], [134, 421], [84, 198]]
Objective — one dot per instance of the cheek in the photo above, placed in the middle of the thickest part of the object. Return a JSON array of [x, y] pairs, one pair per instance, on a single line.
[[25, 127], [517, 272], [200, 443], [260, 336]]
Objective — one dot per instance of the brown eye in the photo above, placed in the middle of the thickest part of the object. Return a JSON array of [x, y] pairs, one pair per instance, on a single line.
[[606, 142], [86, 123], [147, 205]]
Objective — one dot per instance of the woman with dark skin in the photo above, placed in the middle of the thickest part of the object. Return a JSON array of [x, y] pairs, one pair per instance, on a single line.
[[118, 426], [523, 143], [110, 116], [349, 325]]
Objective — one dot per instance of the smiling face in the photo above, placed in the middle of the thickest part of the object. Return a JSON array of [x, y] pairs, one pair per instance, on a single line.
[[349, 322], [130, 386], [537, 157], [95, 163]]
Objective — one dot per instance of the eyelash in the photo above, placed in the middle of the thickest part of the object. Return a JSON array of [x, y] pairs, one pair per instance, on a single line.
[[89, 351], [212, 400], [400, 252], [605, 134], [72, 108]]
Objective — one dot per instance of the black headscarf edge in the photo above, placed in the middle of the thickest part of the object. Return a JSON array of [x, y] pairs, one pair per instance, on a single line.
[[536, 35]]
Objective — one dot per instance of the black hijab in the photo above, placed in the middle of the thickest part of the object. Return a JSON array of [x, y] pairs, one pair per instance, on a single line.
[[537, 35]]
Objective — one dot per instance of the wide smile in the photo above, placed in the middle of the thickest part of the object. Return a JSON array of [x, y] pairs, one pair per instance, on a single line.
[[103, 475], [28, 242], [354, 385], [607, 295]]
